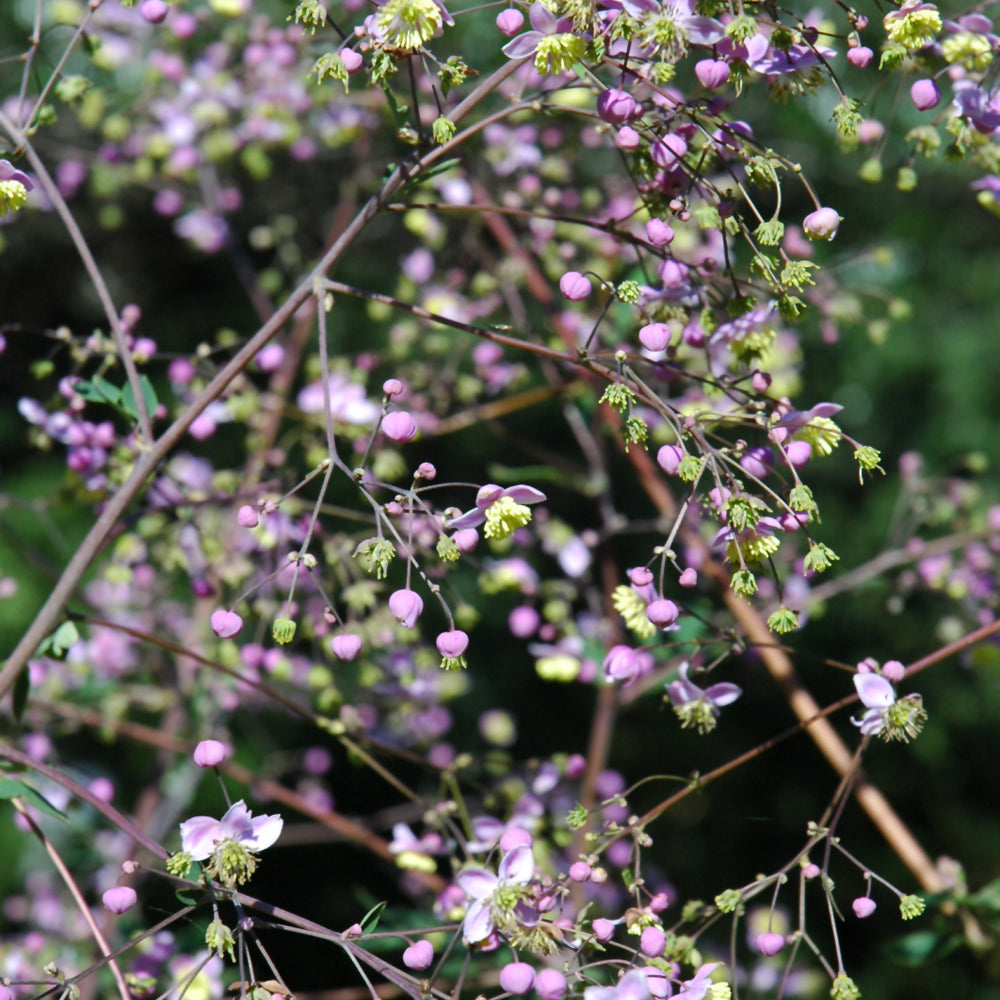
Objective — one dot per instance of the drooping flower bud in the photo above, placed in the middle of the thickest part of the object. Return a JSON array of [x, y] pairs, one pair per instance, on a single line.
[[399, 426], [120, 899], [405, 606], [226, 624], [769, 944], [821, 224], [863, 906], [346, 647], [211, 753], [517, 978], [574, 286], [925, 95], [510, 22], [419, 956]]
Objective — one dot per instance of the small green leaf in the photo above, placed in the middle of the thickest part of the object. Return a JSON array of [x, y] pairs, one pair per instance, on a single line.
[[370, 920], [11, 788]]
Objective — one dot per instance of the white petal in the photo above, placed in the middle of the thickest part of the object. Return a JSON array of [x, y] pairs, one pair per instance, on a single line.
[[266, 830], [518, 865], [874, 690]]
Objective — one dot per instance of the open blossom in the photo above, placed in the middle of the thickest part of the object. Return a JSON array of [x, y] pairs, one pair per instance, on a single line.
[[697, 707], [503, 510], [231, 843], [495, 897], [886, 717], [14, 187]]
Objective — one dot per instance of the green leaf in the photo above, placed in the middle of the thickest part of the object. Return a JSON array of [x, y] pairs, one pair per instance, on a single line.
[[918, 949], [148, 396], [99, 390], [11, 788], [370, 920]]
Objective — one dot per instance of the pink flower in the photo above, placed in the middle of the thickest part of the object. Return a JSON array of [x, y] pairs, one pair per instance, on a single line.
[[925, 95], [399, 426], [406, 607], [419, 956], [510, 21], [211, 753], [246, 517], [659, 233], [516, 869], [662, 613], [550, 984], [453, 644], [345, 647], [769, 944], [517, 978], [574, 286], [669, 458], [226, 624], [120, 899], [711, 73], [653, 941], [863, 907], [655, 336], [200, 834], [821, 224], [154, 11], [860, 56]]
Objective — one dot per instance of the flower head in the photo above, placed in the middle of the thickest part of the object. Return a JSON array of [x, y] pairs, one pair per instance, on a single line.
[[503, 510], [232, 843], [698, 708], [888, 718], [494, 898], [14, 187]]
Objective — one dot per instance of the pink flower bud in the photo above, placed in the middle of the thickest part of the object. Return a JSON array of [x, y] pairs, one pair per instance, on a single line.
[[655, 336], [574, 286], [653, 941], [769, 944], [579, 871], [517, 978], [426, 471], [810, 871], [689, 578], [863, 907], [353, 61], [616, 107], [659, 902], [419, 956], [659, 233], [663, 613], [667, 151], [269, 357], [345, 647], [821, 224], [627, 138], [925, 95], [453, 644], [604, 930], [860, 56], [226, 624], [711, 73], [120, 899], [550, 984], [893, 671], [154, 11], [246, 517], [523, 621], [392, 387], [510, 22], [399, 426], [211, 753], [669, 458], [405, 606]]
